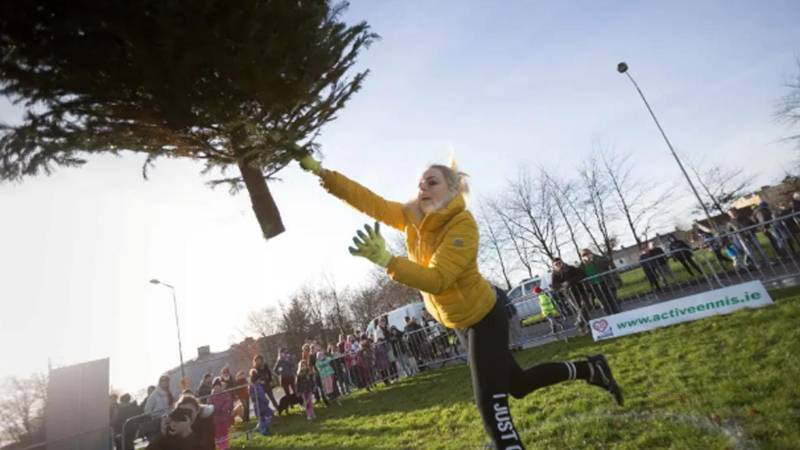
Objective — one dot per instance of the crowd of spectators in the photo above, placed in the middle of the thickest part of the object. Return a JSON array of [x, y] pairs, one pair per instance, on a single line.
[[317, 373], [736, 245]]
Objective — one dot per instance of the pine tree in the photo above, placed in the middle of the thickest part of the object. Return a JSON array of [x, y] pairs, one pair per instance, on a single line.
[[229, 82]]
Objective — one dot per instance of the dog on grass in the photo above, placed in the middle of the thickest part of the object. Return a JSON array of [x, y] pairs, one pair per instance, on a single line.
[[287, 401]]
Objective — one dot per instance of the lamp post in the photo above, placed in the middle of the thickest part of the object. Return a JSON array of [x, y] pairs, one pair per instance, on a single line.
[[623, 68], [177, 326]]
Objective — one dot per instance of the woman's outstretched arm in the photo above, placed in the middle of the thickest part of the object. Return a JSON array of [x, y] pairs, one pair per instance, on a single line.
[[356, 195]]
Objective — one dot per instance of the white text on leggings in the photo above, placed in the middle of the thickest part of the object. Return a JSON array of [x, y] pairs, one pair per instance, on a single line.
[[504, 424]]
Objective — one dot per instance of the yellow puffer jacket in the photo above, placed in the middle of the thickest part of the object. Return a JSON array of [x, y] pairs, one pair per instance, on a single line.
[[442, 252]]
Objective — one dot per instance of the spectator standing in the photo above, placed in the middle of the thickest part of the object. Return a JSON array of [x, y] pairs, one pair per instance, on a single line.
[[150, 390], [265, 377], [381, 361], [339, 369], [227, 379], [160, 401], [603, 284], [241, 393], [127, 410], [326, 373], [305, 388], [549, 310], [682, 252], [789, 226], [365, 362], [649, 268], [743, 228], [310, 354], [416, 341], [284, 368], [659, 263], [383, 338], [762, 215], [113, 409], [351, 349], [204, 389], [567, 279], [222, 401], [795, 207], [712, 243], [397, 338], [340, 366], [260, 405]]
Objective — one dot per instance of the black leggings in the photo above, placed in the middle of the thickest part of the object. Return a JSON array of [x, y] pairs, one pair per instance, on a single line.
[[495, 374]]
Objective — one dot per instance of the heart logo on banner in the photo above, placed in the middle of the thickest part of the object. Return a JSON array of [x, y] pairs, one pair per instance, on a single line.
[[600, 325]]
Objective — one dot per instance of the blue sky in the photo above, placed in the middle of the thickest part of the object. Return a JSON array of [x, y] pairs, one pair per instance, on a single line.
[[525, 84]]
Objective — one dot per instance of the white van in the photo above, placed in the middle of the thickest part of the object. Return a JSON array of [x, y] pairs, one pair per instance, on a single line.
[[397, 317], [524, 289]]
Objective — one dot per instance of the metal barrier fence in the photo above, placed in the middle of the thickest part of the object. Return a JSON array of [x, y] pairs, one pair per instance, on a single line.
[[768, 251]]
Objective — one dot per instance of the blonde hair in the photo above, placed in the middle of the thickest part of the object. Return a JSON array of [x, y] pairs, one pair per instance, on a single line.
[[456, 179]]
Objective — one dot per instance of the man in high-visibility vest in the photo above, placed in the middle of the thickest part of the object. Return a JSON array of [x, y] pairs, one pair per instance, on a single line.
[[549, 310]]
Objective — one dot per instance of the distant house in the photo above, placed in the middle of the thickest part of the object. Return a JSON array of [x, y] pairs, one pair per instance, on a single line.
[[774, 195], [237, 357]]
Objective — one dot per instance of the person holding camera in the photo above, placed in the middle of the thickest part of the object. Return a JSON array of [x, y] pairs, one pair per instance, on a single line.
[[190, 426]]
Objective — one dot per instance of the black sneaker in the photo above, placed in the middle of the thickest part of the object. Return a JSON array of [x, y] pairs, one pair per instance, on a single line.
[[601, 376]]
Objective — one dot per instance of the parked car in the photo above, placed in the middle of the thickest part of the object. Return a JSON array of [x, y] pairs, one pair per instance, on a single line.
[[525, 287], [525, 301]]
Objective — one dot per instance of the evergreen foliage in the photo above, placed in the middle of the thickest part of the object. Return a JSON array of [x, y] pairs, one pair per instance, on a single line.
[[230, 82]]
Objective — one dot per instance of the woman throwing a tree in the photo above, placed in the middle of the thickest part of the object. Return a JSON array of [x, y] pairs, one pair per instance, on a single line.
[[442, 242]]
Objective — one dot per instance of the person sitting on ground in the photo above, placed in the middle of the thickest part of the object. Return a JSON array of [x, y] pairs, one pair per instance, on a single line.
[[190, 426], [549, 310]]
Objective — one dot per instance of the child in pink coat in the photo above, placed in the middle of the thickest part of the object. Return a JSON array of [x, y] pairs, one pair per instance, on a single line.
[[223, 413]]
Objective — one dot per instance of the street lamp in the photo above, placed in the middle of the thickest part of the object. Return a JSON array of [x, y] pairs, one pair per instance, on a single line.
[[623, 68], [177, 326]]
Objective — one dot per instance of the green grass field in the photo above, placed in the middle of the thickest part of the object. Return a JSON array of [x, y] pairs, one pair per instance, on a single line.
[[728, 382]]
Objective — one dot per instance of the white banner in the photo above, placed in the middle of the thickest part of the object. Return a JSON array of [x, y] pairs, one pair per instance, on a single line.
[[686, 309]]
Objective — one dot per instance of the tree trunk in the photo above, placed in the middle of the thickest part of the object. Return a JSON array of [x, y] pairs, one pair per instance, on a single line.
[[269, 218]]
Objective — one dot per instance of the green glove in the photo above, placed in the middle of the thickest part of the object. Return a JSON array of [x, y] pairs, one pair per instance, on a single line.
[[309, 164], [371, 245]]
